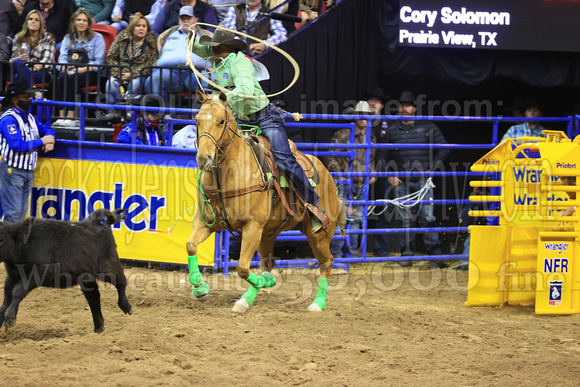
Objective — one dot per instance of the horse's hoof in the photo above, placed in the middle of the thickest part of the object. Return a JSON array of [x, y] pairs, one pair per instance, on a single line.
[[270, 279], [201, 292], [99, 330], [241, 306], [314, 308]]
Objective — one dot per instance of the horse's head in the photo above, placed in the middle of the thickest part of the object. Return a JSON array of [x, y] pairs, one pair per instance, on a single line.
[[216, 128]]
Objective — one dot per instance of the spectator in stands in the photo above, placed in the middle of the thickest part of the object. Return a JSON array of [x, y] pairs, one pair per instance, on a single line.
[[20, 136], [135, 48], [83, 50], [376, 100], [529, 128], [32, 44], [16, 8], [342, 164], [408, 131], [174, 53], [242, 17], [125, 10], [169, 15], [100, 10], [56, 15], [4, 31], [150, 127]]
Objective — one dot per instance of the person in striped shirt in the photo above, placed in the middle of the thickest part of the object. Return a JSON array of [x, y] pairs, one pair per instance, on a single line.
[[21, 134]]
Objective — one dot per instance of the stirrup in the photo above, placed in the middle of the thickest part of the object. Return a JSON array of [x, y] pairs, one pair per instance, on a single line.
[[319, 220]]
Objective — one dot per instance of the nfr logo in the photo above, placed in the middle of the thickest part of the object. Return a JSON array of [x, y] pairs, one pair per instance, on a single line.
[[57, 203], [555, 265], [555, 297]]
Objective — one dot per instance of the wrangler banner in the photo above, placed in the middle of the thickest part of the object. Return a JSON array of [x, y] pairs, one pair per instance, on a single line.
[[160, 199]]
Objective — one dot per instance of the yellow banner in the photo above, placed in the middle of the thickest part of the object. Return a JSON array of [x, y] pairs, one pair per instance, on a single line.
[[161, 201]]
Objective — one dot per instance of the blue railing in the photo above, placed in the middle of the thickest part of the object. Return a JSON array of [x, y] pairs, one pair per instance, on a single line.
[[318, 149]]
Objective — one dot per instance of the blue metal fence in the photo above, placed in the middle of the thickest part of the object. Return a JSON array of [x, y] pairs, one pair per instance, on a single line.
[[324, 149]]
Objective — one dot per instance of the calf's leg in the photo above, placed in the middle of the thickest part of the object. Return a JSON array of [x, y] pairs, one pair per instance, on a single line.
[[19, 291], [116, 276], [8, 287], [91, 293]]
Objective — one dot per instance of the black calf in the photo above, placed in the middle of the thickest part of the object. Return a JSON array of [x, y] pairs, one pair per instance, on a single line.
[[53, 253]]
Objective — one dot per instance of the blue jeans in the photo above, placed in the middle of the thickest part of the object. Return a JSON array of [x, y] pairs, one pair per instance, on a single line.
[[114, 87], [23, 73], [382, 245], [420, 214], [15, 189], [354, 213], [273, 126], [165, 81], [120, 26]]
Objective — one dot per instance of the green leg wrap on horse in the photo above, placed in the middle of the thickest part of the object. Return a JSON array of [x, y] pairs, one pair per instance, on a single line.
[[320, 298], [250, 295], [194, 273], [200, 288], [264, 280]]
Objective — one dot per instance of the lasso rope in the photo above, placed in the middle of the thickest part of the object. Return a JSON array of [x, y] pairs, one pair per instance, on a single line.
[[406, 201], [170, 230], [205, 200], [210, 82]]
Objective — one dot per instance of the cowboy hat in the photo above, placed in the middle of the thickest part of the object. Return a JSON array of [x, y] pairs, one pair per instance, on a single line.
[[225, 38], [362, 108], [408, 96], [377, 92], [13, 89]]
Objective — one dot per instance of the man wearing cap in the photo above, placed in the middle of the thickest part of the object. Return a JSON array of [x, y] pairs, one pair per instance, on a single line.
[[20, 136], [174, 53], [169, 15], [343, 164], [233, 70], [150, 127], [408, 131], [528, 128]]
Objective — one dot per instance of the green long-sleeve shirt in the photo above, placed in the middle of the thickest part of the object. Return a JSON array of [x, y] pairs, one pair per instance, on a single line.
[[236, 71]]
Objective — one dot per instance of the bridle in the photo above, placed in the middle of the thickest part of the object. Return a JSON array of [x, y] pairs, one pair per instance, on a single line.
[[227, 134]]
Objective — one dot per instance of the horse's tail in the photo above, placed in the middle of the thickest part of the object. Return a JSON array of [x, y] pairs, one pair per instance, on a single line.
[[341, 219]]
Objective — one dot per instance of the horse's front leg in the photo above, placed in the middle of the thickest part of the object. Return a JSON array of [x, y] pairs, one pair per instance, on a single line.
[[251, 235], [199, 233]]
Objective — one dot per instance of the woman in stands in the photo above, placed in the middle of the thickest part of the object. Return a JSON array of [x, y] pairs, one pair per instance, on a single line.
[[32, 44], [133, 50], [81, 52]]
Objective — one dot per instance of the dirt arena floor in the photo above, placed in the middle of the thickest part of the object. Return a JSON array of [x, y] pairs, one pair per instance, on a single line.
[[382, 326]]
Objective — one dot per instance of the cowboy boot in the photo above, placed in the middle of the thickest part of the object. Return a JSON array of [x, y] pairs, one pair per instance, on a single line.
[[320, 220]]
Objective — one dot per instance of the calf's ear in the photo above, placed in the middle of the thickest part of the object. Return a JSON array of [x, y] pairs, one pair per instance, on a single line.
[[26, 229]]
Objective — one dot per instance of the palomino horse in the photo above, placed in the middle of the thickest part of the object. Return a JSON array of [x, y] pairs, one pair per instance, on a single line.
[[231, 173]]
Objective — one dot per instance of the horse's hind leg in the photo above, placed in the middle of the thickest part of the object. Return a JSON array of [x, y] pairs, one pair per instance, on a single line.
[[320, 245], [199, 234], [251, 235]]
